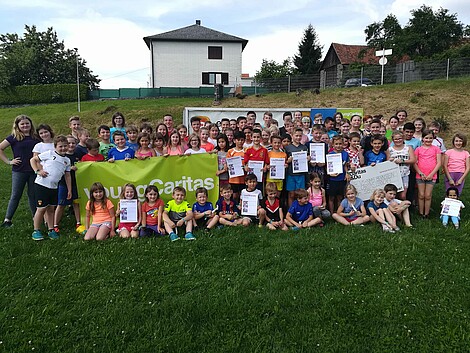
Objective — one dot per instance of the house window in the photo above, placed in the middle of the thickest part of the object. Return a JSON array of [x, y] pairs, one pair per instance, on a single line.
[[211, 78], [214, 53]]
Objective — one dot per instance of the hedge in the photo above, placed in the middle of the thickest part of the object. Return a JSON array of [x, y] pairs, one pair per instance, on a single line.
[[34, 94]]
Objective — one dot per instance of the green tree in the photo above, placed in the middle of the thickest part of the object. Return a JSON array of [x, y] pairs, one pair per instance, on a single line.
[[308, 59], [271, 69], [40, 58], [385, 35]]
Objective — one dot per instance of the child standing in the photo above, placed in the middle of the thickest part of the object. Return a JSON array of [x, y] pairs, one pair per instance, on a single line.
[[128, 229], [274, 216], [452, 193], [205, 144], [456, 163], [152, 213], [356, 158], [74, 125], [83, 136], [93, 155], [132, 132], [227, 208], [256, 153], [194, 145], [404, 156], [351, 211], [159, 145], [222, 149], [237, 182], [101, 210], [380, 213], [376, 155], [428, 163], [121, 151], [144, 151], [203, 211], [317, 198], [337, 181], [104, 134], [300, 213], [49, 166], [276, 152], [46, 135], [178, 213], [251, 183], [294, 181], [174, 145], [119, 124]]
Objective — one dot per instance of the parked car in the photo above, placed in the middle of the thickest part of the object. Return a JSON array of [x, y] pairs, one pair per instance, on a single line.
[[356, 82]]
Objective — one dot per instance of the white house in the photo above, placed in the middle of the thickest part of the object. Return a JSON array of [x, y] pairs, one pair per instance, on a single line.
[[195, 56]]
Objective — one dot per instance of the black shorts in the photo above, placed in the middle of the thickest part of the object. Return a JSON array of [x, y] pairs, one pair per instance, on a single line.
[[336, 188], [45, 196]]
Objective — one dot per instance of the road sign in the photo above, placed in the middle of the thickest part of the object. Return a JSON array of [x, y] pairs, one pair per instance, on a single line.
[[383, 61], [383, 52]]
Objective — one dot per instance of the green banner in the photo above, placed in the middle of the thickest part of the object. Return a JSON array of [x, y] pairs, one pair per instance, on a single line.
[[190, 172], [349, 112]]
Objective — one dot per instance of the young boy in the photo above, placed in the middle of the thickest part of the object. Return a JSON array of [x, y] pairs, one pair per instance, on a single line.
[[195, 124], [204, 215], [337, 182], [83, 136], [251, 183], [241, 123], [74, 125], [93, 155], [132, 132], [294, 181], [237, 182], [374, 130], [204, 134], [256, 153], [121, 151], [274, 216], [226, 207], [376, 155], [397, 207], [276, 152], [105, 143], [177, 214], [224, 124], [320, 168], [50, 166], [62, 189], [300, 213], [329, 127]]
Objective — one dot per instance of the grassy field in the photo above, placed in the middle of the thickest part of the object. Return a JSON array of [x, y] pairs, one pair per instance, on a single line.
[[333, 289]]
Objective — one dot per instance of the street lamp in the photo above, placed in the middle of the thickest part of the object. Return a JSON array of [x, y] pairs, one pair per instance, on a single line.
[[78, 80]]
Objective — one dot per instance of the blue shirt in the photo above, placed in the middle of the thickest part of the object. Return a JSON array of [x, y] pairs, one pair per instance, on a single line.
[[197, 207], [414, 142], [133, 145], [120, 155], [300, 213], [227, 207], [372, 157]]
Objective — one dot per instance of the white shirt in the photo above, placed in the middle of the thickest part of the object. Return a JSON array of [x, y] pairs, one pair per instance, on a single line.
[[43, 147], [55, 165]]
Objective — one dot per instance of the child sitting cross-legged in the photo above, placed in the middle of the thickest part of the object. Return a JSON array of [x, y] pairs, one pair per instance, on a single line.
[[274, 216], [380, 213], [226, 207], [300, 214], [203, 211], [399, 208], [178, 213]]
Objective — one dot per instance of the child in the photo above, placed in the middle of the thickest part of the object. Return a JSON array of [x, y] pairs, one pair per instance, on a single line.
[[356, 157], [93, 147], [194, 145], [159, 145], [435, 127], [213, 133], [49, 166], [203, 211], [337, 182], [317, 131], [222, 149], [452, 193], [456, 163], [274, 216], [397, 207], [183, 131], [256, 153], [225, 124], [83, 136], [428, 163], [420, 126], [174, 146], [119, 124], [356, 122], [376, 155], [276, 143], [404, 156], [168, 121], [300, 213], [226, 207], [241, 123], [152, 213], [294, 181], [380, 213], [195, 122], [375, 126], [74, 125], [101, 210], [163, 130], [62, 189], [317, 198], [46, 135], [128, 229], [104, 133], [204, 143], [147, 128], [329, 127], [144, 152], [248, 131], [121, 151], [178, 213], [229, 133], [237, 182], [132, 133], [265, 138], [251, 183], [393, 126], [351, 211]]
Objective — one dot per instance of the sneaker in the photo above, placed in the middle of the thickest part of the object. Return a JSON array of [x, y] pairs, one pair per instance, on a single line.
[[295, 228], [397, 229], [174, 236], [52, 234], [6, 224], [456, 226], [37, 235], [444, 224], [189, 236], [56, 229], [386, 228]]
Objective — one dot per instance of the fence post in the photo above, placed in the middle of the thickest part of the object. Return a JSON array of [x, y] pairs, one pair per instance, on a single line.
[[403, 72], [288, 84], [448, 66]]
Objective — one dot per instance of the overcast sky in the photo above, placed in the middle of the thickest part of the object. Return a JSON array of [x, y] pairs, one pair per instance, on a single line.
[[109, 33]]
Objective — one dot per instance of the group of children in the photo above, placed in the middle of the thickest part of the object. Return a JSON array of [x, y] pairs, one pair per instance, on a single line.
[[308, 197]]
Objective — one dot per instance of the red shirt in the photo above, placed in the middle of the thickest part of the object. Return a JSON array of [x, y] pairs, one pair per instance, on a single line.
[[260, 154], [89, 158]]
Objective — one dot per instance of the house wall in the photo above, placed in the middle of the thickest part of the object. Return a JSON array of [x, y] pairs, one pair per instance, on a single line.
[[181, 64]]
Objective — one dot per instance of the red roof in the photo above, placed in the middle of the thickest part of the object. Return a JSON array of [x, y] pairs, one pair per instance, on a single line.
[[349, 54]]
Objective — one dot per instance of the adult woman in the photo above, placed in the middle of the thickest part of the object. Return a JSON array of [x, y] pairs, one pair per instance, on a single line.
[[22, 141]]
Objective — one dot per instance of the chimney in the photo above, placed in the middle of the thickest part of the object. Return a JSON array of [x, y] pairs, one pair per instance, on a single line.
[[198, 22]]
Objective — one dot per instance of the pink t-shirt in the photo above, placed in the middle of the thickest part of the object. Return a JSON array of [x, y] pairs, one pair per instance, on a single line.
[[456, 160], [427, 159]]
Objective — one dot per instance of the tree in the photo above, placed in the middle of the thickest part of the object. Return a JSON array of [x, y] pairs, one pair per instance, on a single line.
[[271, 69], [40, 58], [385, 34], [308, 59]]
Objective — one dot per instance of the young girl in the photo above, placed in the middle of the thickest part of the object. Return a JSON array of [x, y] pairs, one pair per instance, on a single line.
[[428, 163], [144, 152], [183, 131], [47, 139], [456, 163], [451, 193], [351, 211], [101, 210], [420, 126], [356, 156], [380, 213], [392, 127], [126, 229], [316, 197], [163, 130], [404, 156], [194, 145], [152, 213], [213, 133], [345, 127], [222, 149], [174, 146], [159, 145], [119, 124], [356, 122]]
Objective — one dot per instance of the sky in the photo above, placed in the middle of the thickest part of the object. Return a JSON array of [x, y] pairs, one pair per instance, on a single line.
[[108, 33]]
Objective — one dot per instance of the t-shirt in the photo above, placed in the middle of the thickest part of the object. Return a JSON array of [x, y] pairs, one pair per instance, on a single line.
[[414, 142], [221, 160], [426, 159], [345, 158], [272, 210], [81, 151], [235, 153], [275, 154], [438, 142], [43, 147], [114, 129], [132, 145], [371, 157], [456, 160], [291, 149], [152, 212], [372, 205], [256, 192], [89, 158], [55, 165], [348, 207], [354, 160], [101, 214], [24, 151], [208, 146], [177, 211], [226, 207], [197, 207], [120, 155], [403, 154], [299, 212], [191, 151], [73, 159], [260, 154], [365, 144], [104, 149]]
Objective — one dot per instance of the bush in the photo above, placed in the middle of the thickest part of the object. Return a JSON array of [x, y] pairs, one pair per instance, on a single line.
[[34, 94]]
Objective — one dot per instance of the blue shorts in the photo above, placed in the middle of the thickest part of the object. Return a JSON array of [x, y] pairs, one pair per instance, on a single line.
[[62, 195], [294, 182]]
